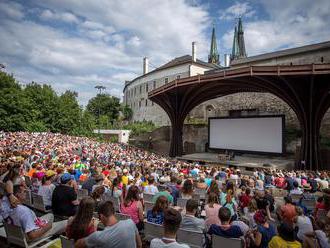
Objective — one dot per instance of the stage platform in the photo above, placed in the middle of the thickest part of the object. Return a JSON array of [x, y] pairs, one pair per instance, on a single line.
[[247, 162]]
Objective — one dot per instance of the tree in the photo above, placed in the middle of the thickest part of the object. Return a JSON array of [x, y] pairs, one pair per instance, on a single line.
[[127, 112], [104, 105]]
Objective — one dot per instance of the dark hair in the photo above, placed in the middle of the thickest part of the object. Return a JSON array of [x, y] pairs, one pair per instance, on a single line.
[[295, 184], [115, 183], [213, 198], [17, 189], [224, 214], [98, 192], [12, 174], [286, 232], [172, 220], [151, 180], [160, 205], [288, 199], [191, 205], [132, 195], [187, 187], [82, 219], [248, 191], [214, 187], [106, 208]]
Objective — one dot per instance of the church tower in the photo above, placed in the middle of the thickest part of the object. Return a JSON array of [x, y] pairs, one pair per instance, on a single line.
[[214, 55], [238, 50]]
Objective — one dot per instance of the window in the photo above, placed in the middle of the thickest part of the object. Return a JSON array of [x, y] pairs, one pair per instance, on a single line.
[[139, 104], [154, 84], [178, 77], [166, 80], [147, 88], [146, 102], [135, 91], [140, 89]]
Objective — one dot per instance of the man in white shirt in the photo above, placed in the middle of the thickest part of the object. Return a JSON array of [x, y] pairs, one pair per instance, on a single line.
[[172, 220], [34, 227], [150, 188]]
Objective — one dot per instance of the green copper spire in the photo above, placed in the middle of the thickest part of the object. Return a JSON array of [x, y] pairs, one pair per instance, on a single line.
[[214, 55], [238, 50]]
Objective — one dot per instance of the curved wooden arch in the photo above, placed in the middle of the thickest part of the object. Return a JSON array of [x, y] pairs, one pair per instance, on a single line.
[[306, 89]]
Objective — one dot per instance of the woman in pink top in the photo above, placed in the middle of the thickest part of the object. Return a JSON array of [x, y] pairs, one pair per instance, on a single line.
[[132, 206], [212, 209]]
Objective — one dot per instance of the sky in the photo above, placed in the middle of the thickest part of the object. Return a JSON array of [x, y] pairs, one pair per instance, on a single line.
[[76, 45]]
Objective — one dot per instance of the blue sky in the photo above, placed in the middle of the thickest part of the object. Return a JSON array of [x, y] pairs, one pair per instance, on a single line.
[[75, 44]]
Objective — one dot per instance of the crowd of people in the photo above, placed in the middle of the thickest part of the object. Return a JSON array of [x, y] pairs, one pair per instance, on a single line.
[[234, 204]]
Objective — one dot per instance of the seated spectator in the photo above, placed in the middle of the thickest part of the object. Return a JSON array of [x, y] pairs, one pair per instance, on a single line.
[[287, 212], [245, 199], [132, 206], [214, 188], [322, 232], [89, 183], [250, 212], [83, 223], [117, 234], [225, 229], [265, 231], [201, 183], [47, 188], [156, 214], [166, 193], [189, 221], [187, 190], [174, 190], [285, 237], [296, 190], [33, 226], [212, 209], [150, 188], [303, 223], [64, 199], [227, 200], [172, 220], [99, 179]]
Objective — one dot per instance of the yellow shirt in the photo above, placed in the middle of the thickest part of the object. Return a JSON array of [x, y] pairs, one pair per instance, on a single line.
[[278, 242], [124, 180]]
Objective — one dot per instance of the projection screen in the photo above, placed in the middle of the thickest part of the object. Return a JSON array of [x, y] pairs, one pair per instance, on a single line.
[[263, 134]]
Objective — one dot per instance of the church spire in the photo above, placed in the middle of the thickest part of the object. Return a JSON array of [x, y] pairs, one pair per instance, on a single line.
[[238, 50], [214, 55]]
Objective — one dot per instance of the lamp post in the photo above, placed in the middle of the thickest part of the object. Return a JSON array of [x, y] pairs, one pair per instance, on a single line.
[[100, 88]]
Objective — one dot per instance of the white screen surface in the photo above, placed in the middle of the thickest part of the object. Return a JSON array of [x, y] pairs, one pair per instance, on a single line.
[[247, 134]]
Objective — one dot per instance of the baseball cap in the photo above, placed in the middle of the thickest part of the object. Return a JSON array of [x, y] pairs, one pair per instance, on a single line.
[[66, 177]]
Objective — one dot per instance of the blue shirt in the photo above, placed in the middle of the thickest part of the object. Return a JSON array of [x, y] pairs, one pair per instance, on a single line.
[[157, 218], [231, 232], [267, 235]]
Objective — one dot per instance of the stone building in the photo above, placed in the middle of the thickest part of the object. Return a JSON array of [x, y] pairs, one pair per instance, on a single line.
[[246, 103], [136, 91]]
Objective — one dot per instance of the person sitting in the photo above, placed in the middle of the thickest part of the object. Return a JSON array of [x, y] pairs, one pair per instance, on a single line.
[[214, 188], [225, 229], [34, 227], [156, 214], [227, 200], [174, 190], [265, 231], [64, 199], [296, 190], [285, 237], [132, 206], [189, 221], [172, 220], [212, 209], [150, 188], [245, 199], [83, 223], [47, 188], [187, 190], [287, 212], [303, 223], [166, 193], [117, 234]]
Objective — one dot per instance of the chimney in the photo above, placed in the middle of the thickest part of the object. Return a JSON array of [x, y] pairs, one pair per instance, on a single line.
[[145, 65], [227, 60], [194, 50]]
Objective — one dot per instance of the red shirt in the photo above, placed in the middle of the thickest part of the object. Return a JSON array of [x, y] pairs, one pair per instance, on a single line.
[[244, 200]]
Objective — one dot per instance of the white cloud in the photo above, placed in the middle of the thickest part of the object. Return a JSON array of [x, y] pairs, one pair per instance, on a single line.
[[12, 10], [237, 10], [64, 17], [299, 23]]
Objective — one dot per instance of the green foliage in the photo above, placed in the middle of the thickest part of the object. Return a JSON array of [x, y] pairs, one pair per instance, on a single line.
[[140, 127], [37, 108], [127, 112], [104, 105]]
